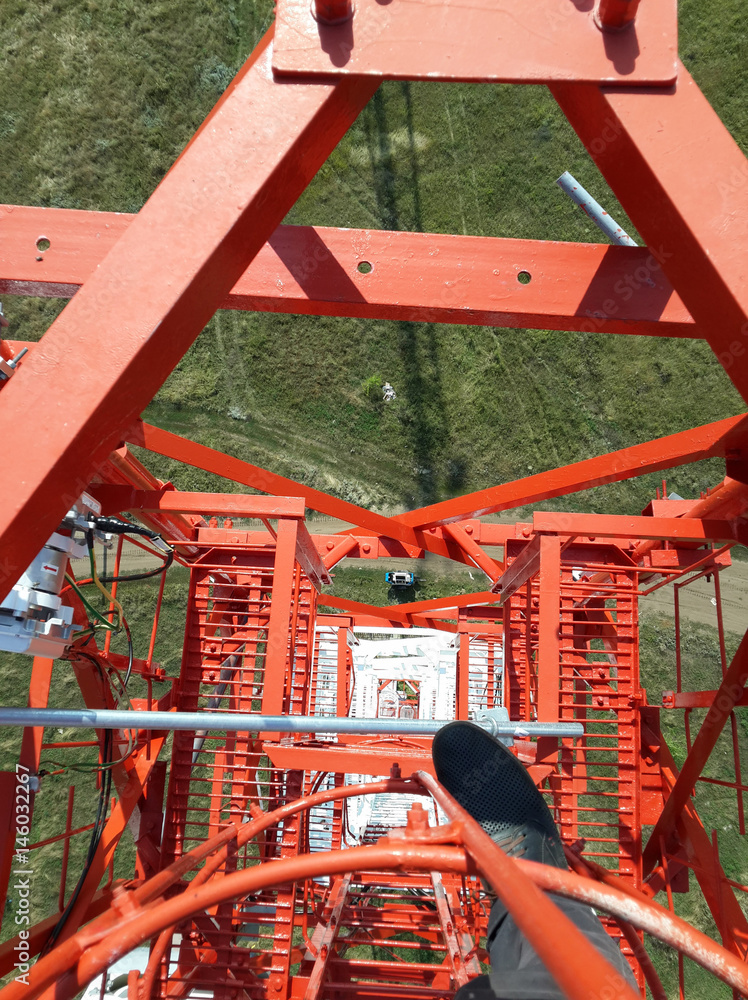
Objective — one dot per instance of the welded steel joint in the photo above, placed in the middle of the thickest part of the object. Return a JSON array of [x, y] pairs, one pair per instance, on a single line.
[[615, 15], [332, 11]]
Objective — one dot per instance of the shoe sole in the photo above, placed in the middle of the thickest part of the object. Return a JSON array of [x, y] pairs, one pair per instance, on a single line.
[[489, 782]]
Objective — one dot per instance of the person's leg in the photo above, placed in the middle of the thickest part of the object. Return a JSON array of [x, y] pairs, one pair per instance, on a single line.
[[477, 989], [517, 972], [494, 787]]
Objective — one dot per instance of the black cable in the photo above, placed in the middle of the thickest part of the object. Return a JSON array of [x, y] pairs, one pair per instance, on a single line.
[[142, 576], [113, 526], [99, 824], [129, 650], [96, 835]]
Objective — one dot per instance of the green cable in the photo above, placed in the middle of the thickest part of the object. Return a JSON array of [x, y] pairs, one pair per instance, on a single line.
[[105, 623]]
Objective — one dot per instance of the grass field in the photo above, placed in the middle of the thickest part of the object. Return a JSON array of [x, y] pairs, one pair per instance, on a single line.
[[98, 99], [700, 648], [90, 122]]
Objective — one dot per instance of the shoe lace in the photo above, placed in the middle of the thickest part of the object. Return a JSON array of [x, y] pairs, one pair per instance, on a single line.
[[512, 844]]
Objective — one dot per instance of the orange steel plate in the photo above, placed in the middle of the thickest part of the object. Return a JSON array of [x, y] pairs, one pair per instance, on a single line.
[[497, 41]]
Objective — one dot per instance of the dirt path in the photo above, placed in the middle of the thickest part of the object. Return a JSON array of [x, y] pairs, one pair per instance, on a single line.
[[697, 601]]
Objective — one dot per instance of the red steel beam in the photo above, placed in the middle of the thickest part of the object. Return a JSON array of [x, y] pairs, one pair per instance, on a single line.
[[718, 894], [123, 468], [549, 628], [156, 289], [200, 456], [392, 613], [723, 437], [474, 552], [487, 43], [524, 568], [445, 604], [728, 694], [641, 142], [696, 699], [682, 529], [309, 558], [119, 498], [349, 757], [323, 939], [449, 279], [279, 624]]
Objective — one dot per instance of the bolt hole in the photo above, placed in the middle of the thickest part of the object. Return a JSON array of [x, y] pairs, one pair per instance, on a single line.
[[365, 267], [43, 244], [524, 277]]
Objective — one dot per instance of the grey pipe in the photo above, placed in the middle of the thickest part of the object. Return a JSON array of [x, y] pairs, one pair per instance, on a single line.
[[595, 211], [94, 718]]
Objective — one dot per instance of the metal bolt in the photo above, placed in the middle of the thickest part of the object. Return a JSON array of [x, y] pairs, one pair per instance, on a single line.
[[615, 15], [417, 818], [332, 11]]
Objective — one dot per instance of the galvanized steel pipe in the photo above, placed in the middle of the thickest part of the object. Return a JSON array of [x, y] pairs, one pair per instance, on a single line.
[[96, 718], [569, 185]]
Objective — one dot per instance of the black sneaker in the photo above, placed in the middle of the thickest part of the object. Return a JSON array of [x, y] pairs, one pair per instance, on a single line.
[[493, 786]]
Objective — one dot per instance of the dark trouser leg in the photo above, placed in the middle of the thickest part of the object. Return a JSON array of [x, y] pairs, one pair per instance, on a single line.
[[516, 971]]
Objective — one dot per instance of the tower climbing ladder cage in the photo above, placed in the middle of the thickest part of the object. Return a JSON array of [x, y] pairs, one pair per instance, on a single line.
[[262, 818]]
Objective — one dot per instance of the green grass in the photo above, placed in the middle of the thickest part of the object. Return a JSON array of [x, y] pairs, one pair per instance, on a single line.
[[90, 122], [51, 803], [700, 669], [100, 98]]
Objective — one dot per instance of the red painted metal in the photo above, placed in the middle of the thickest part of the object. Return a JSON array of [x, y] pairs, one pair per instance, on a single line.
[[692, 227], [269, 818], [616, 15], [444, 40], [729, 693], [108, 938], [719, 438], [158, 287], [575, 286], [333, 11]]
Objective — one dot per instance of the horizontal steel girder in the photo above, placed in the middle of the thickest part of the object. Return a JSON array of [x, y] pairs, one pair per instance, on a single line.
[[492, 41], [423, 277]]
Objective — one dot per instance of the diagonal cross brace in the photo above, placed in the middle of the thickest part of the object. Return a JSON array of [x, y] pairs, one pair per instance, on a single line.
[[726, 698], [113, 346]]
